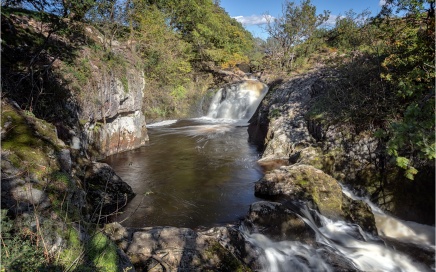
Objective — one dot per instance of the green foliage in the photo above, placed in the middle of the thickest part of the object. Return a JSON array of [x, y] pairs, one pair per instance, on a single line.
[[179, 92], [72, 250], [209, 29], [388, 85], [348, 30], [409, 68], [166, 57], [293, 29], [19, 251], [80, 70]]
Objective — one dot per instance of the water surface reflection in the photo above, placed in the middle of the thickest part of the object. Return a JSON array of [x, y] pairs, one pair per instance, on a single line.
[[192, 173]]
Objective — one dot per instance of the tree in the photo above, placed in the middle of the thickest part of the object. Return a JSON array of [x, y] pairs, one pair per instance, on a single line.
[[347, 33], [108, 15], [72, 9], [296, 25], [216, 38]]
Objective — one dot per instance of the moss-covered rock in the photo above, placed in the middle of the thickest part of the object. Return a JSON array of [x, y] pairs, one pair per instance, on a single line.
[[359, 213], [304, 182], [45, 203]]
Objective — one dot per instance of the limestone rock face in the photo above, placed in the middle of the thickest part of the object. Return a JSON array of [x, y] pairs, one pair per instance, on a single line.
[[285, 108], [291, 134], [105, 189], [113, 97], [122, 134], [114, 121]]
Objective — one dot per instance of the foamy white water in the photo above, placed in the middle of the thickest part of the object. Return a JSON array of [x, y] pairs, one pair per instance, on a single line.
[[367, 255], [401, 230], [349, 241], [237, 101], [162, 123], [288, 255]]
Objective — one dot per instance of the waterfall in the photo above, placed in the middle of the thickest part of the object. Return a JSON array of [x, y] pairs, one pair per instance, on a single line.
[[237, 100]]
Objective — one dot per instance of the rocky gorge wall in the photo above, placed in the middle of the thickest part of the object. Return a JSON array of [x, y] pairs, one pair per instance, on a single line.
[[87, 104], [115, 123], [284, 128]]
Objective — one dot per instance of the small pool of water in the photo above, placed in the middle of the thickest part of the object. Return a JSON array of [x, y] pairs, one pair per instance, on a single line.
[[193, 173]]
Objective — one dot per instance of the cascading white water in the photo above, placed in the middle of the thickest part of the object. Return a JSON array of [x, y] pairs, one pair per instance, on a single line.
[[363, 250], [401, 230], [288, 255], [237, 101]]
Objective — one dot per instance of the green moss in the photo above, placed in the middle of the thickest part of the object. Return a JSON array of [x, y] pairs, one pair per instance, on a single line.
[[61, 177], [102, 253], [29, 142], [72, 250], [83, 122], [125, 83], [274, 114], [321, 188]]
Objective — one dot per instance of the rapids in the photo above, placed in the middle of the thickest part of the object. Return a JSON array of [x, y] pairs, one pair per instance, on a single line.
[[364, 251]]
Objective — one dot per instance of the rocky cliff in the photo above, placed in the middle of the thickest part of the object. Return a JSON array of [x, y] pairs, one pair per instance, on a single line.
[[288, 129], [91, 93], [115, 122], [66, 102]]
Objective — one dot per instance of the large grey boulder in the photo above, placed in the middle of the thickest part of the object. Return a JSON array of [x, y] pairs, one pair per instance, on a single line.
[[303, 182]]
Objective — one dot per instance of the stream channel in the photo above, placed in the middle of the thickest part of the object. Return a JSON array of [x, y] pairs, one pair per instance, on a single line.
[[200, 172]]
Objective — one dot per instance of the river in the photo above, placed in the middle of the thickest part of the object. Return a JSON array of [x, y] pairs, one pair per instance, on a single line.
[[197, 172], [200, 172]]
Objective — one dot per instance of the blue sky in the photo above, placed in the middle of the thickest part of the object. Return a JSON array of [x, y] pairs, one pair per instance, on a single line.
[[251, 12]]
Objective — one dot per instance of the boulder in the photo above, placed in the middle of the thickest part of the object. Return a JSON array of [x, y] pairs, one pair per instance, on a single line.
[[65, 161], [279, 223], [303, 182], [19, 197], [360, 213], [106, 191]]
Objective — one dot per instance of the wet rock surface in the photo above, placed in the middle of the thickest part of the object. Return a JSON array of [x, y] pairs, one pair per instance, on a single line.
[[278, 222]]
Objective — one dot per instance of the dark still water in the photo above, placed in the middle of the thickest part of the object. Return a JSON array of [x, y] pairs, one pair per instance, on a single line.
[[193, 173]]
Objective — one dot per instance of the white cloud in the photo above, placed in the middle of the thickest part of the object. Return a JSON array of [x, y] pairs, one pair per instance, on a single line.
[[381, 2], [253, 19], [331, 21]]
